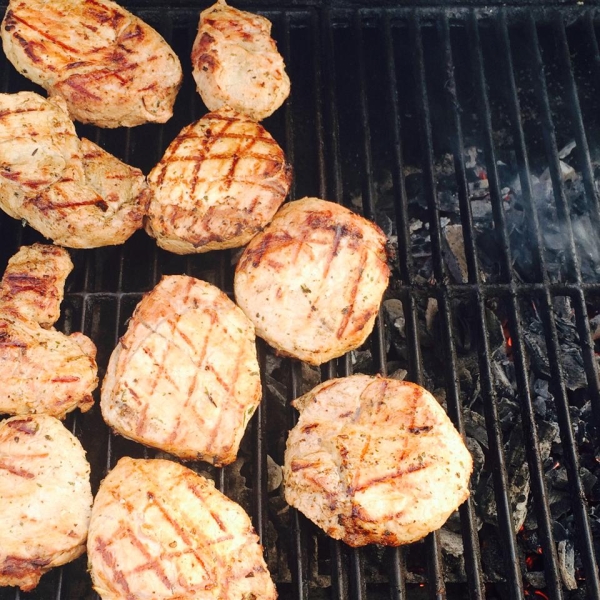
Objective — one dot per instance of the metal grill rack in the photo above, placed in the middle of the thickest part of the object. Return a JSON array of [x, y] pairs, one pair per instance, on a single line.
[[377, 91]]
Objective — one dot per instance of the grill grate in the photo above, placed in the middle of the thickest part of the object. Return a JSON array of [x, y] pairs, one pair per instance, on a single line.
[[377, 92]]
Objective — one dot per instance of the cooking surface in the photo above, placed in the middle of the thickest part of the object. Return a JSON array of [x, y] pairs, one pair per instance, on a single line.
[[453, 129]]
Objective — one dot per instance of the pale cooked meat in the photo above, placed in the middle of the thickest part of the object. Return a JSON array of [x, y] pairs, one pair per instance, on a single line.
[[313, 280], [375, 461], [184, 378], [42, 370], [45, 498], [219, 183], [236, 62], [111, 68], [34, 281], [159, 531], [69, 190]]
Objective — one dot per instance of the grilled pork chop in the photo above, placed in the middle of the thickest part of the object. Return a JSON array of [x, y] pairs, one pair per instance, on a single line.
[[42, 370], [184, 378], [219, 183], [313, 280], [160, 531], [45, 498], [375, 461], [236, 62], [111, 68], [70, 190]]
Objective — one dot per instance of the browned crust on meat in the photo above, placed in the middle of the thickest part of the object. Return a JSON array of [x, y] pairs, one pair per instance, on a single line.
[[38, 452], [333, 314], [220, 203], [202, 533], [236, 62], [375, 460], [217, 388], [103, 67]]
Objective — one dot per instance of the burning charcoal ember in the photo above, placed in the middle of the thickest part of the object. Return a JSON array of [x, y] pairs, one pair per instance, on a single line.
[[566, 564], [453, 251]]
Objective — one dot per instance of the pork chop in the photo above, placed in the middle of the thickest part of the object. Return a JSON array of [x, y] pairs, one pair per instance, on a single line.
[[219, 183], [375, 461], [313, 280], [45, 498], [159, 531], [236, 62], [111, 68], [70, 190], [184, 378], [42, 370]]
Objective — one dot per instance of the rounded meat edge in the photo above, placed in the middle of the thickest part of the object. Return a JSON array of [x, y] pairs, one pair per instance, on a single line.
[[312, 281], [45, 498], [375, 460], [159, 530]]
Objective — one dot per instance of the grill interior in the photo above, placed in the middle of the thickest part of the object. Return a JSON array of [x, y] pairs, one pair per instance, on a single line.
[[385, 103]]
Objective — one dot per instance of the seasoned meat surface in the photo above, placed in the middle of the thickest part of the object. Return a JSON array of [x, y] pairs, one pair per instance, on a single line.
[[184, 378], [45, 498], [111, 68], [42, 370], [236, 62], [70, 190], [159, 531], [375, 461], [313, 280], [219, 183], [34, 282]]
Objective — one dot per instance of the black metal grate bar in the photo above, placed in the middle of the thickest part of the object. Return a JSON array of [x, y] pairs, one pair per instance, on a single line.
[[467, 510], [533, 453], [507, 534]]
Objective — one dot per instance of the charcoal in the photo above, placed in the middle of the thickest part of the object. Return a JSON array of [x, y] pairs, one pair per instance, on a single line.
[[399, 374], [492, 558], [502, 383], [453, 553], [362, 361], [518, 481], [588, 479], [548, 433], [508, 413], [393, 311], [478, 460], [536, 347], [276, 390], [475, 427], [539, 406], [274, 475], [481, 210], [595, 327], [453, 251], [558, 477], [536, 579], [560, 503], [566, 564], [573, 368]]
